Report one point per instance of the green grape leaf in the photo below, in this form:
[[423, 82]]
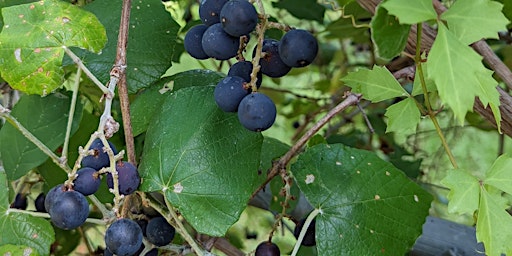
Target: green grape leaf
[[500, 174], [375, 85], [488, 94], [458, 73], [46, 118], [10, 249], [388, 35], [472, 20], [22, 229], [367, 206], [403, 117], [204, 161], [493, 225], [32, 40], [464, 191], [411, 12], [150, 100], [151, 42], [306, 10]]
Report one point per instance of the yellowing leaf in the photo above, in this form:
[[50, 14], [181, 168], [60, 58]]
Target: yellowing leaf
[[458, 73], [403, 117], [500, 174], [411, 12], [375, 85], [464, 191], [472, 20], [493, 226]]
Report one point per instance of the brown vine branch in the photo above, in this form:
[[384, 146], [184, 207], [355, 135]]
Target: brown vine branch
[[350, 100], [120, 69]]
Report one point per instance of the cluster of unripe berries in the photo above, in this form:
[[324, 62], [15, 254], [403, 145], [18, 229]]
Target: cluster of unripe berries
[[226, 25]]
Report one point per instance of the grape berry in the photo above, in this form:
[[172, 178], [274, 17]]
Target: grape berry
[[238, 17], [128, 178], [257, 112], [267, 249], [68, 210], [123, 237], [229, 92], [87, 181], [298, 48], [159, 232], [99, 158]]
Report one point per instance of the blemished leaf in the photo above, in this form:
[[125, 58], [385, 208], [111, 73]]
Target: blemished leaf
[[367, 206], [306, 10], [458, 73], [22, 229], [46, 118], [388, 35], [472, 20], [403, 117], [500, 174], [32, 40], [204, 161], [464, 191], [149, 101], [10, 249], [411, 12], [375, 85], [493, 225], [151, 41]]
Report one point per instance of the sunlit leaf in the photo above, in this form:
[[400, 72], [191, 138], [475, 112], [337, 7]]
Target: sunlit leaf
[[464, 191], [411, 12], [403, 117]]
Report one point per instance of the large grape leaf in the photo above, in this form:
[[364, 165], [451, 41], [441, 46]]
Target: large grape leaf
[[458, 73], [403, 117], [151, 41], [204, 161], [493, 225], [367, 206], [411, 12], [388, 35], [46, 118], [472, 20], [149, 101], [464, 191], [22, 229], [375, 85], [32, 38]]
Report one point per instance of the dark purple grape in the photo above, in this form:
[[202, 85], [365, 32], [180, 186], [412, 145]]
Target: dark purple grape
[[257, 112], [298, 48], [123, 237], [87, 181], [159, 232], [229, 92], [128, 178], [267, 249], [99, 158], [20, 202], [270, 62], [209, 11], [52, 194], [143, 223], [218, 44], [238, 17], [243, 69], [69, 210], [309, 238], [39, 203], [193, 44]]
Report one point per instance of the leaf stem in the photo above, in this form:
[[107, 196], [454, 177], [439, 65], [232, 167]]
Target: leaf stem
[[431, 113], [89, 74], [304, 229], [71, 114], [5, 113]]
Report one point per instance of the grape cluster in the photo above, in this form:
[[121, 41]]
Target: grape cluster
[[225, 31]]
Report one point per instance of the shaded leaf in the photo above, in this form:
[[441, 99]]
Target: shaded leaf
[[375, 85], [307, 9], [472, 20], [22, 229], [367, 206], [32, 39], [46, 118], [464, 191], [148, 102], [411, 12], [388, 35], [403, 117], [204, 161], [151, 41]]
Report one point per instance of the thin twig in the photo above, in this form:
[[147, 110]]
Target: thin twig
[[351, 99], [89, 74], [71, 114]]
